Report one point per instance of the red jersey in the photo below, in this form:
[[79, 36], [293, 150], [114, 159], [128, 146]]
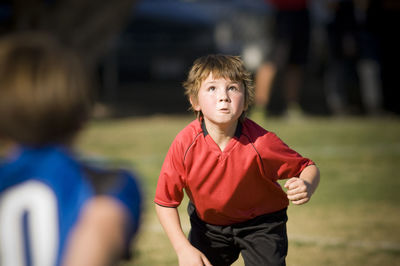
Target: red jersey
[[233, 185]]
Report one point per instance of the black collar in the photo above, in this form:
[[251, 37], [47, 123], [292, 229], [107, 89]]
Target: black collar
[[238, 131]]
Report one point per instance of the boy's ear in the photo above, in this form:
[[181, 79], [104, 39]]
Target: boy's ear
[[193, 102]]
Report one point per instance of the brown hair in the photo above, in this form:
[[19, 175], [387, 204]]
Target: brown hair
[[44, 90], [221, 66]]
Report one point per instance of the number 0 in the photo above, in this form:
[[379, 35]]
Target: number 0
[[39, 202]]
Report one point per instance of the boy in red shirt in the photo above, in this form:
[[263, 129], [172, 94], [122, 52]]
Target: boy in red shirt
[[229, 167]]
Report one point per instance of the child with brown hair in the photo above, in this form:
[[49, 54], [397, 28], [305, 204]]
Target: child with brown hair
[[229, 167], [55, 209]]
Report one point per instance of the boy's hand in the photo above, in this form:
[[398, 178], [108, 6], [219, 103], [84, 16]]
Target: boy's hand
[[298, 190], [191, 256]]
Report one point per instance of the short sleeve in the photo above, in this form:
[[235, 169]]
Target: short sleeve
[[280, 161], [128, 192], [169, 191], [123, 186]]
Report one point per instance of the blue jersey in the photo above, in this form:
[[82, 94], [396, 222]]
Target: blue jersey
[[42, 192]]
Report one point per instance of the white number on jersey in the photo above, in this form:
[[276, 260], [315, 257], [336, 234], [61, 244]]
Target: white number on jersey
[[37, 202]]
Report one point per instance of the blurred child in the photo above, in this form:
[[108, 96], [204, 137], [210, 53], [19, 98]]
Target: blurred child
[[55, 209], [229, 167]]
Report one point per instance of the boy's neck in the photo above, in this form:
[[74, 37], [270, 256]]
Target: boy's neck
[[221, 134]]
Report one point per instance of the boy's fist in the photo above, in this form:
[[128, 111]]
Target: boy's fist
[[298, 190]]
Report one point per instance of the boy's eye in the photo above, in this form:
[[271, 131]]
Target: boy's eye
[[232, 88], [212, 88]]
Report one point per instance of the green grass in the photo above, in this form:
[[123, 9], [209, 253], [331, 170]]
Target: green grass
[[352, 219]]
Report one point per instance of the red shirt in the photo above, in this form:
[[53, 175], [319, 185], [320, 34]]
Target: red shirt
[[228, 186]]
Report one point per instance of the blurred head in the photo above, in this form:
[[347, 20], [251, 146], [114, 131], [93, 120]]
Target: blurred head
[[220, 66], [44, 91]]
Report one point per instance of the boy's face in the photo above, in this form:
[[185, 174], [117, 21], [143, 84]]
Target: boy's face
[[220, 100]]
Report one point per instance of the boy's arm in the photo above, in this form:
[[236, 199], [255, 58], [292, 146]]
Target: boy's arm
[[187, 254], [300, 189], [98, 238]]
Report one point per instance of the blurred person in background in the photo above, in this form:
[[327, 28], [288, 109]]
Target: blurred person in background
[[54, 208], [369, 65], [342, 80], [387, 17], [285, 65], [353, 78]]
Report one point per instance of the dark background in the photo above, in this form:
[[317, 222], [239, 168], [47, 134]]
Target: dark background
[[140, 51]]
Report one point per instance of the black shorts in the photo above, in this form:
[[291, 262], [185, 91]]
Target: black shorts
[[261, 240]]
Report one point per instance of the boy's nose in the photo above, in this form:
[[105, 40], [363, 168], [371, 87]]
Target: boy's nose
[[223, 96]]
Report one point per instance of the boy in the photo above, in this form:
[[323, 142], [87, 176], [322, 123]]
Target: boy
[[54, 209], [229, 167]]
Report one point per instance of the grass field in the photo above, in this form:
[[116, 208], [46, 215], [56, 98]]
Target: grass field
[[353, 218]]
